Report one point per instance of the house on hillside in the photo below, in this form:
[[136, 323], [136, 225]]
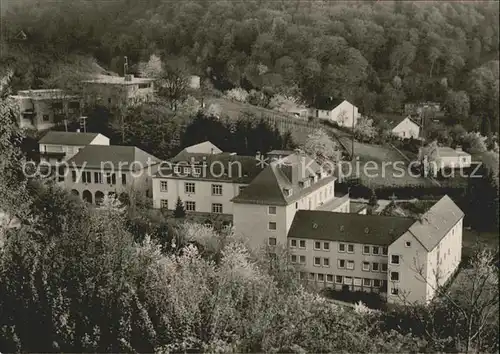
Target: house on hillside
[[60, 146], [404, 259], [428, 109], [407, 128], [100, 170], [42, 109], [114, 91], [443, 157], [335, 110], [205, 178]]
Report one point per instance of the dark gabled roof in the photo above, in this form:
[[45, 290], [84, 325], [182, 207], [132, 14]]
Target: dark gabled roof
[[268, 187], [238, 169], [99, 156], [68, 138], [436, 222], [348, 227], [327, 103]]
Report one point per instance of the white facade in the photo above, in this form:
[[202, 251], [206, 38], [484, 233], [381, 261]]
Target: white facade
[[208, 196], [407, 129], [255, 221]]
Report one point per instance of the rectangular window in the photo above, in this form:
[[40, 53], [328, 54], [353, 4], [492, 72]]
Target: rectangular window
[[163, 186], [375, 250], [196, 171], [341, 263], [366, 249], [326, 246], [293, 243], [350, 248], [357, 281], [367, 282], [164, 204], [73, 176], [187, 170], [216, 189], [302, 259], [110, 178], [350, 265], [338, 279], [217, 208], [376, 283], [45, 117], [302, 244], [272, 241], [341, 247], [384, 267], [326, 262], [317, 245], [124, 179], [366, 266], [86, 177], [348, 280], [407, 244], [375, 267], [321, 277], [293, 258], [384, 251], [394, 276], [190, 206], [312, 276], [272, 225], [317, 261], [329, 278], [189, 188], [98, 177], [394, 259], [271, 210], [394, 291], [302, 276], [177, 170]]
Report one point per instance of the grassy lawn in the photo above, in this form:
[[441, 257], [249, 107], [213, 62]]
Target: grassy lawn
[[390, 175]]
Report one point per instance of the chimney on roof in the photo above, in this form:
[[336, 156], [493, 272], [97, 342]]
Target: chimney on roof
[[458, 148]]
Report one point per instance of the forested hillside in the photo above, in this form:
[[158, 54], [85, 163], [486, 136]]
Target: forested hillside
[[378, 54]]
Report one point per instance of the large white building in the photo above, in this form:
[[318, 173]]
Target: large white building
[[100, 170], [204, 178], [404, 258], [340, 111], [264, 211]]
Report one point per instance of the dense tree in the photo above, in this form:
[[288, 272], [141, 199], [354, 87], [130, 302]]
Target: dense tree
[[314, 49]]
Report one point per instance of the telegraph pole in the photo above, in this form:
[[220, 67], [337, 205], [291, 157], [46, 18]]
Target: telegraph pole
[[352, 135]]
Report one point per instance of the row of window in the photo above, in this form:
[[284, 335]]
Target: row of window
[[342, 247], [341, 263], [191, 206], [99, 177], [345, 280], [318, 199], [190, 188]]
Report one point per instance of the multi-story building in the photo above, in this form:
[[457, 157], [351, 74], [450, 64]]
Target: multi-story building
[[60, 146], [42, 109], [115, 91], [264, 211], [204, 178], [99, 170], [403, 258]]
